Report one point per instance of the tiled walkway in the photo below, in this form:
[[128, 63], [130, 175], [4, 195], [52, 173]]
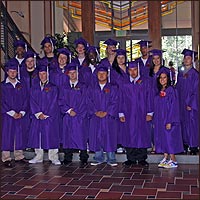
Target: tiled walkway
[[46, 181]]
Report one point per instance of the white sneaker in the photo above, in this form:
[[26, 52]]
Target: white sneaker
[[95, 163], [163, 162], [35, 160], [120, 150], [171, 164], [56, 162], [113, 164]]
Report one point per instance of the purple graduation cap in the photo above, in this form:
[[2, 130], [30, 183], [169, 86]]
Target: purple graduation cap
[[12, 64], [120, 52], [92, 49], [144, 43], [102, 69], [111, 42], [164, 70], [43, 68], [156, 52], [71, 66], [132, 64], [81, 41], [20, 43], [191, 53], [188, 52], [50, 40], [30, 54]]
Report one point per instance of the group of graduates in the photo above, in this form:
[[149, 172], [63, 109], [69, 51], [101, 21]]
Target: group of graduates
[[83, 102]]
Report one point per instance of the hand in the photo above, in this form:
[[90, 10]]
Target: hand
[[103, 114], [188, 108], [122, 119], [16, 116], [42, 116], [148, 118], [72, 113], [168, 126]]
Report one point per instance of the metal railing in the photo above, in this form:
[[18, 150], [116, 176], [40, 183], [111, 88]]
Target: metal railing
[[9, 33]]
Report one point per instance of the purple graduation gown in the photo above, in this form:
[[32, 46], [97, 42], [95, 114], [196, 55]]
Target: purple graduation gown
[[188, 89], [57, 77], [106, 62], [135, 103], [86, 76], [74, 134], [14, 129], [119, 80], [45, 101], [51, 62], [144, 69], [166, 110], [103, 131], [76, 61]]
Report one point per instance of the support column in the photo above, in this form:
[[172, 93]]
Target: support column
[[47, 17], [154, 23], [88, 21], [195, 25]]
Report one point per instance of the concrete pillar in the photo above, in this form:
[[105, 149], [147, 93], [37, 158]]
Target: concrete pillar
[[195, 24], [88, 21], [154, 23]]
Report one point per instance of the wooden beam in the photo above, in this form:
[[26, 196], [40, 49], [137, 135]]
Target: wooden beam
[[154, 23], [88, 21]]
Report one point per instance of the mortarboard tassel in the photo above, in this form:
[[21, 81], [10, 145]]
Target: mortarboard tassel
[[25, 47], [109, 74], [18, 72], [193, 60], [70, 58], [77, 71], [34, 60], [52, 45]]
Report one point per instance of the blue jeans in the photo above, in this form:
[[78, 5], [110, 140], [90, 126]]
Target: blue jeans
[[100, 156]]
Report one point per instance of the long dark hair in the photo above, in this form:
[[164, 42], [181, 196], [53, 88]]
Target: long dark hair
[[116, 66], [159, 86], [152, 65]]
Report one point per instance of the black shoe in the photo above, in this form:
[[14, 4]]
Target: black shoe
[[22, 161], [185, 146], [83, 163], [143, 163], [66, 162], [193, 150], [10, 164], [129, 162]]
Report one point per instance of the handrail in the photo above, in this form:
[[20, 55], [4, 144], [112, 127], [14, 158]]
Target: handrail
[[9, 33]]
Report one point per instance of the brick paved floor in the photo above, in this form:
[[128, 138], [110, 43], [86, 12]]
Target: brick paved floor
[[46, 181]]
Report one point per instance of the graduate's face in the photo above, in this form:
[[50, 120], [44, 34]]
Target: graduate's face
[[110, 49], [92, 56], [163, 79], [62, 59], [187, 60], [133, 72], [156, 60], [121, 59], [102, 76], [72, 75], [47, 48], [144, 50], [12, 74], [80, 48], [30, 63], [43, 76], [20, 50]]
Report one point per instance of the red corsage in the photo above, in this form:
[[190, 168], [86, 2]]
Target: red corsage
[[46, 89], [67, 72], [77, 87], [185, 75], [139, 81], [106, 90], [19, 87], [162, 93], [148, 65]]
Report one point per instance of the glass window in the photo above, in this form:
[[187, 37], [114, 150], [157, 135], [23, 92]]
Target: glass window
[[174, 45]]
